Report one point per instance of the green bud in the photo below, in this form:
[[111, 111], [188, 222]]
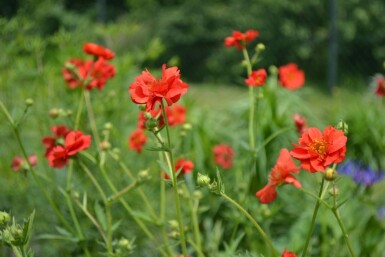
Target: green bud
[[187, 126], [273, 70], [330, 174], [144, 175], [173, 224], [197, 194], [203, 180], [260, 47], [334, 191], [4, 218], [142, 107], [123, 243], [104, 145], [29, 102], [342, 125], [151, 123], [53, 113], [108, 126]]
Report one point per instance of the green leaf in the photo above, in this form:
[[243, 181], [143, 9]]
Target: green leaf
[[100, 215]]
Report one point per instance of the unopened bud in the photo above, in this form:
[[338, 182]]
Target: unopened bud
[[123, 242], [29, 102], [187, 126], [108, 126], [203, 180], [75, 195], [330, 174], [273, 70], [4, 218], [334, 191], [173, 224], [69, 112], [104, 145], [151, 123], [142, 107], [342, 125], [260, 47], [144, 174], [53, 113]]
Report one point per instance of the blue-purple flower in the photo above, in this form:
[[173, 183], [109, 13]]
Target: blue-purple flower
[[362, 175]]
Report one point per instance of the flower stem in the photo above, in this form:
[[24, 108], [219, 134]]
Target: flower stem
[[315, 212], [91, 117], [338, 217], [174, 183], [255, 223], [252, 103]]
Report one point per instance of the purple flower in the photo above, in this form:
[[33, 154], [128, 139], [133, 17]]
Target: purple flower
[[362, 175]]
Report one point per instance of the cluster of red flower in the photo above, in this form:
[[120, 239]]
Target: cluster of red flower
[[63, 145], [92, 73]]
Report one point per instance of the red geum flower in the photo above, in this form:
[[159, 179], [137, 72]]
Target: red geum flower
[[19, 163], [291, 77], [317, 150], [75, 141], [98, 50], [280, 174], [239, 39], [185, 167], [137, 140], [60, 132], [223, 155], [300, 123], [288, 254], [70, 72], [149, 90], [256, 78], [96, 74], [380, 86], [176, 115]]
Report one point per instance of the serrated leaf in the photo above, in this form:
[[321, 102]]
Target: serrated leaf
[[100, 215]]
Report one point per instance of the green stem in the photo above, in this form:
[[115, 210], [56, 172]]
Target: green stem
[[255, 223], [80, 109], [128, 208], [252, 103], [174, 183], [338, 217], [109, 228], [95, 182], [122, 192], [346, 237], [91, 118], [194, 217], [140, 191], [315, 212]]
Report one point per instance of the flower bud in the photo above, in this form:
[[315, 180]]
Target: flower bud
[[4, 218], [147, 115], [29, 102], [151, 123], [108, 126], [330, 174], [260, 47], [342, 125], [144, 175], [69, 113], [53, 113], [203, 180], [334, 191], [123, 243], [104, 145], [173, 224], [187, 126], [273, 70]]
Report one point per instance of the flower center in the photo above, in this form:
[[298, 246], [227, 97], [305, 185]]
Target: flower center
[[158, 86], [319, 146]]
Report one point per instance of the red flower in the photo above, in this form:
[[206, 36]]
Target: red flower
[[96, 74], [380, 85], [97, 50], [75, 141], [288, 254], [137, 140], [18, 162], [69, 72], [176, 115], [60, 132], [256, 78], [317, 150], [149, 90], [291, 77], [280, 174], [239, 39], [300, 123], [185, 167], [223, 155]]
